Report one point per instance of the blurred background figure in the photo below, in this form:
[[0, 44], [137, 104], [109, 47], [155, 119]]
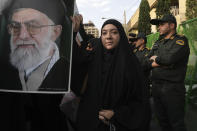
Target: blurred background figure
[[132, 40], [141, 52]]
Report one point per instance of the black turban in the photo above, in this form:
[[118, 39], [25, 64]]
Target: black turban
[[54, 9]]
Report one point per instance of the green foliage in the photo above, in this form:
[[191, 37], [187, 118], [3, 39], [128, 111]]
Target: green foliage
[[189, 29], [162, 8], [191, 9], [193, 98], [144, 18], [189, 78], [151, 39]]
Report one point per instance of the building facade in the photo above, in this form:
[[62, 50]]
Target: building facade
[[178, 9], [91, 29]]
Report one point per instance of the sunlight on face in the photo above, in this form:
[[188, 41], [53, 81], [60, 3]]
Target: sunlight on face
[[110, 36], [164, 28]]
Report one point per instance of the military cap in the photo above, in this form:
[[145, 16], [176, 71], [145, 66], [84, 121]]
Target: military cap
[[165, 18], [142, 35], [132, 34], [132, 37]]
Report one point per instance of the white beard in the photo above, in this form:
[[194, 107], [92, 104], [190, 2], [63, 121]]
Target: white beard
[[25, 58]]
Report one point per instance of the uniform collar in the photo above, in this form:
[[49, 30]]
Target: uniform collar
[[173, 36]]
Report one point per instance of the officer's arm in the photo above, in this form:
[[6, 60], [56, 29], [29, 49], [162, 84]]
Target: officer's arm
[[151, 53], [177, 52], [149, 62], [146, 63]]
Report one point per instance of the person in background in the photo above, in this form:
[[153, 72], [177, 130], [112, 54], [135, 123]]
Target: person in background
[[141, 52], [132, 40]]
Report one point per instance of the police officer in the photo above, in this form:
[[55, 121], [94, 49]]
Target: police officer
[[132, 40], [168, 59], [141, 51]]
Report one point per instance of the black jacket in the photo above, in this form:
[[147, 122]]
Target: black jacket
[[142, 57], [172, 57]]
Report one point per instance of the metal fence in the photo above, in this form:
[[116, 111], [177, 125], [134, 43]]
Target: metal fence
[[189, 29]]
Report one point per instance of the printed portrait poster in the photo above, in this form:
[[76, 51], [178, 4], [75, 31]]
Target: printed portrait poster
[[35, 46]]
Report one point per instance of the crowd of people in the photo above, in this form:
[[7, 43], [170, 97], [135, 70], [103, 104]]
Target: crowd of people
[[113, 77]]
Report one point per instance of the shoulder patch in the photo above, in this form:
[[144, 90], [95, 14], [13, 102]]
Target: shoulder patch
[[180, 42]]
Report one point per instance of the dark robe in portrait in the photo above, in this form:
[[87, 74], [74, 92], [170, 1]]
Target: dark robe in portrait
[[37, 112], [115, 82]]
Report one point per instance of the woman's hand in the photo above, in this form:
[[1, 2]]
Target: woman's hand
[[106, 115], [76, 20]]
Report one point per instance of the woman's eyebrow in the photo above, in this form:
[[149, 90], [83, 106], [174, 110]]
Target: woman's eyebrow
[[110, 29]]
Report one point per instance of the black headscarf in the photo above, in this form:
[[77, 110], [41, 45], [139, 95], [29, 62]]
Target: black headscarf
[[114, 78], [123, 89]]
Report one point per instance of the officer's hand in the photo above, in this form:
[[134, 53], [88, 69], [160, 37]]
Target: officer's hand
[[154, 64], [153, 58], [76, 21]]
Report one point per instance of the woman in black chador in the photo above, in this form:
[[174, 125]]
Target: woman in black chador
[[115, 97]]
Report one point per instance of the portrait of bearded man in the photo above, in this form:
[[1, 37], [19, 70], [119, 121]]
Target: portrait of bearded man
[[34, 68], [35, 33]]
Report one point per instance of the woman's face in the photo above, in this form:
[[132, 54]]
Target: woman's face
[[110, 36]]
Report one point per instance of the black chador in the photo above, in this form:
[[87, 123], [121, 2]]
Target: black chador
[[115, 82]]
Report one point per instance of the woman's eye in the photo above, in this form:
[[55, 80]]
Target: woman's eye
[[114, 32], [104, 33]]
